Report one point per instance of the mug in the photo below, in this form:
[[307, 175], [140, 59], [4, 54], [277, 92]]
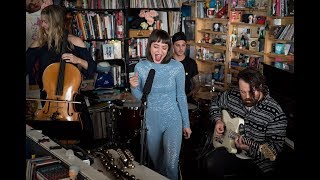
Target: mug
[[210, 12]]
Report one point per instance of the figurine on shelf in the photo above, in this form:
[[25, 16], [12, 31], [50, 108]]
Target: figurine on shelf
[[254, 19], [216, 74], [234, 3], [216, 27], [206, 38], [199, 54], [234, 37], [250, 19]]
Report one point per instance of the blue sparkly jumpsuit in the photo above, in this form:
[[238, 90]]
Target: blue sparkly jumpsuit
[[166, 113]]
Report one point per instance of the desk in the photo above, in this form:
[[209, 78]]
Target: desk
[[95, 171], [139, 171]]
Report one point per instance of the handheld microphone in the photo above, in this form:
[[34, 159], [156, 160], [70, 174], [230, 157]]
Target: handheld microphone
[[147, 86]]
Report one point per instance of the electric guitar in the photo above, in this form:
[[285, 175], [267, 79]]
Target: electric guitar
[[227, 140]]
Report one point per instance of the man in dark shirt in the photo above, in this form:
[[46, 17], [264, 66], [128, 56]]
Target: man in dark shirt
[[263, 129], [190, 66]]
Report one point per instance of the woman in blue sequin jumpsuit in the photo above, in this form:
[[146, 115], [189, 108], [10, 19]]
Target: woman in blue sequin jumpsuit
[[167, 117]]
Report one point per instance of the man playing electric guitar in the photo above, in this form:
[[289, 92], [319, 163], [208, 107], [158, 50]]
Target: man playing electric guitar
[[262, 122]]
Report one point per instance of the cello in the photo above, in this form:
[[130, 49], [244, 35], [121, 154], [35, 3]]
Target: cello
[[61, 82]]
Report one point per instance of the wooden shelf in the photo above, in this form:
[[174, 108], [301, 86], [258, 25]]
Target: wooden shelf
[[211, 46], [212, 32], [250, 9], [214, 19], [282, 56], [210, 61], [191, 43], [280, 41], [236, 69], [281, 17], [245, 51], [246, 24]]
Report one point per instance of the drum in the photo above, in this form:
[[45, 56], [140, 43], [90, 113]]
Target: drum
[[204, 106], [128, 119], [103, 121]]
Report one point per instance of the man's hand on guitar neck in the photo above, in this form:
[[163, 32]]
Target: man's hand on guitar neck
[[239, 142], [219, 128]]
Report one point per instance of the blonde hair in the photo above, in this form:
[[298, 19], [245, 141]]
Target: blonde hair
[[55, 17]]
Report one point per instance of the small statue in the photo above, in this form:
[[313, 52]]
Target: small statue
[[216, 74], [250, 19], [206, 38], [216, 27], [254, 19]]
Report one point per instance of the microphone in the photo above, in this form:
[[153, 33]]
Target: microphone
[[147, 86]]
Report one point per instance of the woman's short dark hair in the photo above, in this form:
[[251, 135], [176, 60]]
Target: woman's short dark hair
[[159, 35], [254, 78]]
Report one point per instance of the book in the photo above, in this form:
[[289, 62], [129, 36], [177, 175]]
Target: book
[[117, 49], [108, 52], [286, 48], [279, 48]]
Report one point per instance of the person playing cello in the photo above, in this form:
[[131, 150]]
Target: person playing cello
[[46, 50]]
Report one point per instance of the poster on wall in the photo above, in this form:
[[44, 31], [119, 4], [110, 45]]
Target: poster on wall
[[33, 20]]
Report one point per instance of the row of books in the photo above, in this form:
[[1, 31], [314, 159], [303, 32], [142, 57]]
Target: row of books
[[92, 25], [138, 47], [284, 32], [283, 48], [154, 3], [103, 4], [282, 8], [45, 168]]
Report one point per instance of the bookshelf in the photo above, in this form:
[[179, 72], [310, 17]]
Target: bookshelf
[[109, 22], [210, 46], [166, 15], [279, 51], [102, 26], [248, 40]]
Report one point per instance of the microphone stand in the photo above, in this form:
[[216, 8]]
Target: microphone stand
[[143, 129]]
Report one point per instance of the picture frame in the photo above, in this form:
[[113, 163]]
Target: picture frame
[[190, 29], [108, 51]]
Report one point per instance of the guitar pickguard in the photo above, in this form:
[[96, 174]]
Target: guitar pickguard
[[232, 126]]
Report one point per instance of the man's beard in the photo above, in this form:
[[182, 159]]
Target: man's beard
[[249, 102]]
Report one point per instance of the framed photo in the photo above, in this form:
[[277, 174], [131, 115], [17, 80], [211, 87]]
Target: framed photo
[[190, 29], [108, 52]]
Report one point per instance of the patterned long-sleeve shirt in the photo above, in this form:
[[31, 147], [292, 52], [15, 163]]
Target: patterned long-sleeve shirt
[[265, 123]]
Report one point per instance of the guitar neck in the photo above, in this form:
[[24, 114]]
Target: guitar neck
[[246, 141]]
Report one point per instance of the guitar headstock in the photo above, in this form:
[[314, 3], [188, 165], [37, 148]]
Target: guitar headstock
[[267, 152]]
